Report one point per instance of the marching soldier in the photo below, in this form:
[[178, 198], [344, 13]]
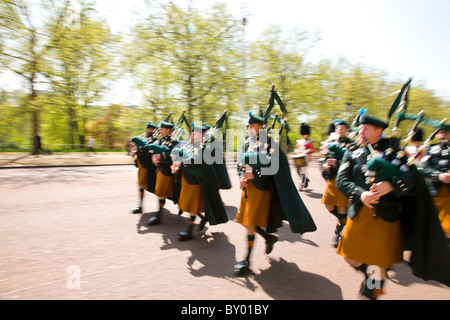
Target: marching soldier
[[164, 187], [143, 163], [267, 197], [369, 242], [333, 199], [199, 183], [389, 214], [436, 168]]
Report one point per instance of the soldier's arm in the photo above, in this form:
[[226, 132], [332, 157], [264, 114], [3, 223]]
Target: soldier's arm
[[165, 155], [405, 182], [427, 170], [344, 180]]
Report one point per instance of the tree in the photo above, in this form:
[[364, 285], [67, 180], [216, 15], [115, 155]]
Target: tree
[[187, 59], [79, 65], [22, 47]]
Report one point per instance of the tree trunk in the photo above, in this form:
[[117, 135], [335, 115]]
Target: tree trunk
[[34, 117]]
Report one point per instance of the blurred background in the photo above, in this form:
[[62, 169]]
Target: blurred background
[[74, 70]]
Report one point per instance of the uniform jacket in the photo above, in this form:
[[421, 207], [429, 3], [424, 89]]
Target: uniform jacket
[[411, 202], [435, 161], [212, 178], [164, 165], [286, 203]]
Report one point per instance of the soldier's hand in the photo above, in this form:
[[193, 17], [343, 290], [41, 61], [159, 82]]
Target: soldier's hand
[[133, 149], [381, 188], [156, 158], [248, 175], [175, 167], [243, 183], [444, 177], [369, 199], [331, 162]]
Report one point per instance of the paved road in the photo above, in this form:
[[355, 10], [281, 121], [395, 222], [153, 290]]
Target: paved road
[[67, 233]]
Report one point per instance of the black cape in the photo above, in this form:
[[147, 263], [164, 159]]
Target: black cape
[[212, 178], [211, 181], [424, 237], [286, 203]]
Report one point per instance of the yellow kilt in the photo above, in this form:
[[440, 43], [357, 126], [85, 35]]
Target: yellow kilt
[[164, 185], [442, 202], [372, 241], [142, 175], [254, 210], [333, 196], [191, 197]]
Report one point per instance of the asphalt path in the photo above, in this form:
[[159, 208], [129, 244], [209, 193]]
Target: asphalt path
[[67, 233]]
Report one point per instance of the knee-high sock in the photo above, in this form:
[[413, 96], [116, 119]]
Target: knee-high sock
[[250, 240], [262, 233], [162, 202], [190, 223], [141, 196], [340, 216]]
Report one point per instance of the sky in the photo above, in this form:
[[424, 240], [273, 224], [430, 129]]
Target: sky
[[403, 38]]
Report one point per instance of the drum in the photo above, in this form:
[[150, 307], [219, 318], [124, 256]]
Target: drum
[[299, 160]]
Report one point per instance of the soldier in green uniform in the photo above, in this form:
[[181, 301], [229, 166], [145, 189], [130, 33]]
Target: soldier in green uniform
[[200, 183], [333, 199], [268, 196], [143, 162], [436, 170], [164, 187], [372, 240], [388, 214]]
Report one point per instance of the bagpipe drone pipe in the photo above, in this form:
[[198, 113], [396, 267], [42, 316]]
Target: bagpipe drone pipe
[[378, 168], [175, 135], [210, 135], [259, 152], [154, 136]]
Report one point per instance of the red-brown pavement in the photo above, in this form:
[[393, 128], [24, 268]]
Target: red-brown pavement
[[67, 233]]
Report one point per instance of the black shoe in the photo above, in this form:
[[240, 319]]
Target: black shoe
[[270, 242], [242, 268], [153, 221], [184, 236], [305, 185], [138, 209], [369, 294]]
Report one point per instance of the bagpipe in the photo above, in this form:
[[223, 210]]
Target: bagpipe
[[192, 149], [212, 133], [156, 134], [378, 167], [175, 135], [252, 157]]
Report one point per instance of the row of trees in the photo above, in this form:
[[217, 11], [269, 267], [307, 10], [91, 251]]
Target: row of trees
[[179, 59]]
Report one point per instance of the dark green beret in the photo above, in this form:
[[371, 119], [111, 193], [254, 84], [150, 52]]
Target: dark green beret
[[203, 127], [445, 127], [151, 125], [165, 124], [255, 119], [339, 122], [369, 119]]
